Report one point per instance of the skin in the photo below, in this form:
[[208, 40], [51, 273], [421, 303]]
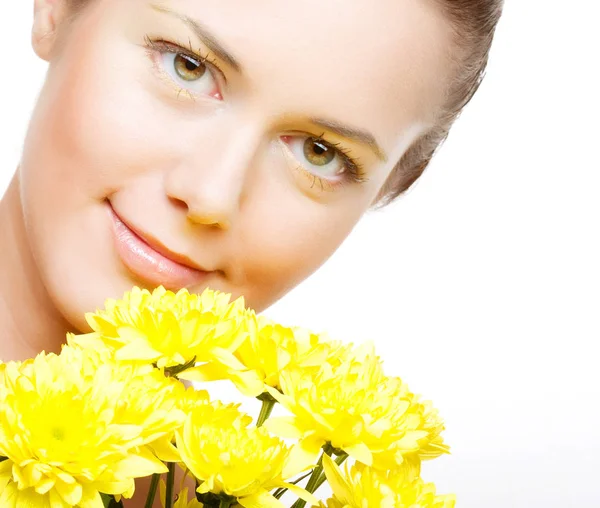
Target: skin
[[209, 172]]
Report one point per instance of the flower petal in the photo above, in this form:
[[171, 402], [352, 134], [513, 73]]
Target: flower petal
[[360, 452], [261, 499], [341, 488]]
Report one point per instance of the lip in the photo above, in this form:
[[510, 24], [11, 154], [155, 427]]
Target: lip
[[149, 260]]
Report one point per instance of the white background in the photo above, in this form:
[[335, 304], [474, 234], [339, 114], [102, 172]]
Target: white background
[[481, 286]]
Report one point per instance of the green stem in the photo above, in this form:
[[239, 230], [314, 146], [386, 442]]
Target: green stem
[[225, 503], [268, 403], [178, 369], [339, 460], [312, 484], [152, 491], [170, 483]]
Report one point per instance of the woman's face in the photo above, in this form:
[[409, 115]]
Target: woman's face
[[221, 143]]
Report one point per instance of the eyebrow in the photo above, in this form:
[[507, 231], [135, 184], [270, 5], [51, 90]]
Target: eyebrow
[[205, 36], [362, 136]]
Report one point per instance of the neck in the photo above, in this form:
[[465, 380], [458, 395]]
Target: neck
[[29, 321]]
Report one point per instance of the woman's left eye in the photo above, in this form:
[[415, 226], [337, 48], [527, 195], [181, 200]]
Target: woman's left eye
[[189, 72], [321, 159]]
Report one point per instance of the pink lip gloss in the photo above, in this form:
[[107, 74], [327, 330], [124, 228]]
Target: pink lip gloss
[[148, 264]]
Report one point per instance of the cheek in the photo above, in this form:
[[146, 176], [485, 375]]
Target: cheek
[[89, 134], [95, 129], [286, 238], [91, 129]]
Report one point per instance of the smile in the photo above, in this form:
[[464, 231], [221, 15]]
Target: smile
[[149, 260]]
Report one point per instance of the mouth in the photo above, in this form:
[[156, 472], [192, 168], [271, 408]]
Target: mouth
[[150, 261]]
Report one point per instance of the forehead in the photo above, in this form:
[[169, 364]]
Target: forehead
[[380, 64]]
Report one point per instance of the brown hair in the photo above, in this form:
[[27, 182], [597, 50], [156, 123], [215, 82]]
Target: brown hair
[[474, 24]]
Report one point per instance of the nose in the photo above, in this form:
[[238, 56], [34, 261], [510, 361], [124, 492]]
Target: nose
[[210, 181], [214, 216]]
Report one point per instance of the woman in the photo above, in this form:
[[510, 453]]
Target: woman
[[231, 144]]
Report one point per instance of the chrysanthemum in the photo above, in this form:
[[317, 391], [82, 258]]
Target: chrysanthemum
[[70, 429], [269, 349], [364, 487], [353, 406], [188, 397], [231, 459], [171, 329]]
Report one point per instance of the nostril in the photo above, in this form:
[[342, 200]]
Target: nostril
[[179, 203], [214, 218]]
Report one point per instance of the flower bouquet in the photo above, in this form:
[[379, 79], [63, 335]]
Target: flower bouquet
[[117, 404]]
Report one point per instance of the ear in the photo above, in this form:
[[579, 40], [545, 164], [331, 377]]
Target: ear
[[48, 17]]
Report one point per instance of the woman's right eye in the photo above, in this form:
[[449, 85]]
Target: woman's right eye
[[190, 73]]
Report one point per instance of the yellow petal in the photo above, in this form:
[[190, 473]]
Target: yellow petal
[[70, 492], [284, 426], [302, 456], [360, 452], [138, 349], [114, 488], [300, 460], [248, 383], [261, 499], [204, 372], [227, 358], [301, 493], [164, 450], [138, 466], [91, 499], [339, 485], [276, 394]]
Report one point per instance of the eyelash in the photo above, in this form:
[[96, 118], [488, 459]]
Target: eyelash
[[353, 169], [164, 46]]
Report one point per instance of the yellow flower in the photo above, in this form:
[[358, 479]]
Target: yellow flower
[[11, 496], [190, 397], [269, 349], [231, 459], [351, 405], [364, 487], [434, 445], [148, 396], [162, 402], [185, 401], [70, 430], [171, 329]]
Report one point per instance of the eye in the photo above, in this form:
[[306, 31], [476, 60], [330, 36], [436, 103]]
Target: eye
[[189, 71], [188, 68], [191, 74], [319, 157]]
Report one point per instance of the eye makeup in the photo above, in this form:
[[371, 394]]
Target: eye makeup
[[327, 164], [186, 61], [324, 164]]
